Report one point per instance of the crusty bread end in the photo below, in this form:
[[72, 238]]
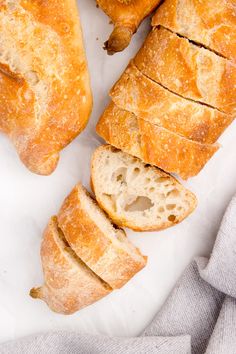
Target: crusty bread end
[[69, 285]]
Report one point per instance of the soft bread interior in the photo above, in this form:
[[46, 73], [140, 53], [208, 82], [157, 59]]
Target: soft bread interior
[[136, 192], [116, 236]]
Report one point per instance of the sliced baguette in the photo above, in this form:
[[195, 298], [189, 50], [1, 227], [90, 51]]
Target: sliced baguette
[[135, 195], [153, 144], [213, 22], [102, 247], [69, 284], [150, 101], [188, 70]]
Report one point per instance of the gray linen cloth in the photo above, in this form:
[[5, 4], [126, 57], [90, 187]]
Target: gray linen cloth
[[198, 317]]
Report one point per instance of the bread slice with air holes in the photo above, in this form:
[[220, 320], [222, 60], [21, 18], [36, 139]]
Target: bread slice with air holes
[[104, 248], [137, 195]]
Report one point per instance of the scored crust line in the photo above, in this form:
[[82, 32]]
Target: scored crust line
[[177, 94], [198, 44]]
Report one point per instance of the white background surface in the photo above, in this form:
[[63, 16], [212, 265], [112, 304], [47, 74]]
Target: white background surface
[[27, 201]]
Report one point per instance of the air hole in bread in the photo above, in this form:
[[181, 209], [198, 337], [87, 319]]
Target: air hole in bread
[[139, 204], [147, 180], [152, 189], [119, 178], [172, 218], [120, 175], [136, 171], [162, 179], [161, 210], [174, 193], [170, 206]]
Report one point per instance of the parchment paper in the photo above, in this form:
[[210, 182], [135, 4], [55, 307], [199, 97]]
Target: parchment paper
[[27, 201]]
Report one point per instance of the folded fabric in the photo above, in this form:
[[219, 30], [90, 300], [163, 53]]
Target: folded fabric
[[198, 317]]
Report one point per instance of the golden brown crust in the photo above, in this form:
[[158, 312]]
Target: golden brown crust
[[211, 23], [120, 129], [188, 70], [153, 144], [50, 105], [108, 260], [126, 17], [124, 222], [148, 100], [69, 285]]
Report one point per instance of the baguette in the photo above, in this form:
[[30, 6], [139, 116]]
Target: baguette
[[45, 90], [188, 70], [69, 284], [135, 195], [153, 144], [211, 23], [150, 101], [126, 16], [103, 248]]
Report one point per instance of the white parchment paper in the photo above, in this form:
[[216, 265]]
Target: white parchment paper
[[27, 201]]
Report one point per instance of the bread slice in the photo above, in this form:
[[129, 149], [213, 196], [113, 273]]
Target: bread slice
[[69, 284], [150, 101], [188, 70], [153, 144], [136, 195], [46, 98], [211, 23], [102, 247]]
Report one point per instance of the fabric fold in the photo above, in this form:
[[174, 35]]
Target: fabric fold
[[220, 271], [192, 308], [75, 343]]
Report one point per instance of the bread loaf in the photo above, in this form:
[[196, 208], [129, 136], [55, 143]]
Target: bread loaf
[[69, 284], [126, 16], [45, 94], [102, 247], [188, 70], [211, 23], [177, 96], [137, 195], [150, 101], [153, 144]]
